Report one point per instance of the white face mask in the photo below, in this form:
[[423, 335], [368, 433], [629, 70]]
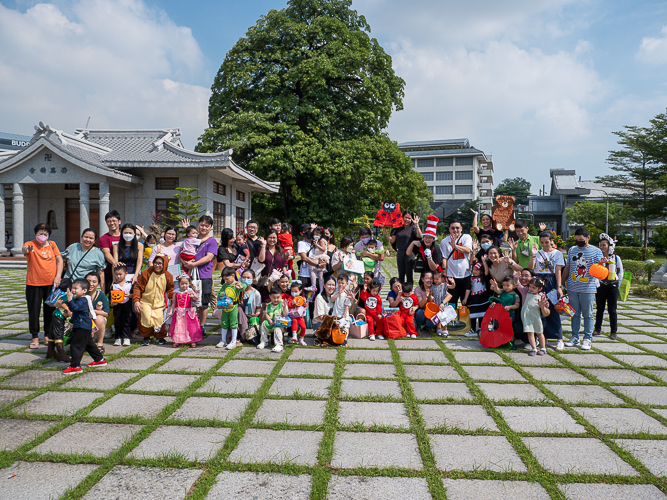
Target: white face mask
[[295, 294], [128, 237]]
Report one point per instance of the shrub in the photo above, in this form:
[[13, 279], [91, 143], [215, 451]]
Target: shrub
[[641, 269], [651, 292], [659, 239], [634, 253]]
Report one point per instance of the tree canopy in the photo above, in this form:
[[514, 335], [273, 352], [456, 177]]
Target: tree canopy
[[517, 187], [304, 99], [594, 216]]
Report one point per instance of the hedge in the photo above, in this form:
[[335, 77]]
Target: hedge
[[641, 269], [634, 253], [651, 292]]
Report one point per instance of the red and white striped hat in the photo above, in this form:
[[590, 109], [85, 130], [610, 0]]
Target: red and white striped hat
[[431, 226]]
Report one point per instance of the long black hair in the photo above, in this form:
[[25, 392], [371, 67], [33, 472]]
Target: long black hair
[[134, 244], [226, 235]]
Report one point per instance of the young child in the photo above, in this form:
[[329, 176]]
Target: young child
[[407, 308], [342, 301], [190, 244], [241, 242], [185, 327], [372, 303], [151, 241], [320, 248], [78, 302], [122, 309], [369, 264], [285, 239], [535, 304], [277, 307], [229, 296], [58, 323], [508, 297], [442, 300], [296, 306], [251, 298], [477, 297]]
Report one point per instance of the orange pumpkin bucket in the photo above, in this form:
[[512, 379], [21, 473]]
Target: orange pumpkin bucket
[[431, 310], [337, 336], [598, 271], [463, 312]]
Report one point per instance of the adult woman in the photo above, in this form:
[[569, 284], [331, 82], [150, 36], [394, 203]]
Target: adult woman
[[305, 250], [101, 306], [206, 252], [499, 267], [365, 235], [148, 299], [328, 235], [400, 238], [486, 229], [45, 266], [169, 248], [607, 292], [227, 252], [84, 258], [273, 257], [424, 294], [428, 256], [481, 247], [323, 302], [129, 251]]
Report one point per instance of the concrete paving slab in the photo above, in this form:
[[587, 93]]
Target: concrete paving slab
[[478, 358], [254, 353], [510, 392], [310, 387], [58, 403], [305, 368], [638, 337], [260, 486], [570, 455], [465, 345], [638, 360], [368, 344], [466, 417], [157, 382], [618, 376], [198, 444], [128, 405], [468, 453], [368, 355], [211, 408], [205, 351], [431, 372], [584, 394], [622, 420], [232, 385], [555, 374], [33, 379], [312, 354], [8, 396], [291, 412], [42, 480], [103, 381], [195, 365], [441, 390], [474, 489], [133, 363], [423, 356], [15, 433], [376, 449], [370, 488], [523, 360], [87, 437], [589, 491], [152, 350], [13, 344], [246, 367], [369, 370], [6, 372], [279, 447], [615, 347], [144, 483], [547, 419], [416, 344], [21, 359], [369, 414], [648, 395], [652, 453], [364, 388], [661, 374], [654, 329], [494, 373], [655, 348], [590, 359]]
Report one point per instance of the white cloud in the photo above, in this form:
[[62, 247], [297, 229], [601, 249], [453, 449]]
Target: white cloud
[[654, 50], [119, 62]]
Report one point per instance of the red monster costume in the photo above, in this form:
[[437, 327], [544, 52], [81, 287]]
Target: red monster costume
[[287, 243], [374, 318], [389, 215], [407, 318]]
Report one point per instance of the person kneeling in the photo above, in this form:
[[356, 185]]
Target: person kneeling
[[276, 310]]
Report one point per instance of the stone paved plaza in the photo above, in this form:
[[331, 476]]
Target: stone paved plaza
[[410, 419]]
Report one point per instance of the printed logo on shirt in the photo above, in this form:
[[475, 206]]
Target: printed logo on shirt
[[371, 303], [407, 302], [579, 272]]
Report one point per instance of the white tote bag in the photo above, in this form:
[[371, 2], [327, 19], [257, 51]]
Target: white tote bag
[[196, 286]]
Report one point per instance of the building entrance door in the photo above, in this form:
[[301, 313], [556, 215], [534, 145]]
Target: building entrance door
[[73, 221]]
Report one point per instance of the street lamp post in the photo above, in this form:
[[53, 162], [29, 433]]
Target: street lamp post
[[606, 224]]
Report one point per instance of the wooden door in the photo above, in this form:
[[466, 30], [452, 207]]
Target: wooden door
[[73, 220]]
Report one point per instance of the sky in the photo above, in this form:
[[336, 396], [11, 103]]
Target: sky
[[536, 84]]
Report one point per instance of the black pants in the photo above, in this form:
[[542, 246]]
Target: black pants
[[123, 319], [82, 341], [459, 291], [57, 331], [606, 294], [405, 263], [35, 297]]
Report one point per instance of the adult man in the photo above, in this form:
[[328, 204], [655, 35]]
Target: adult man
[[275, 224], [254, 243], [304, 249], [107, 242], [521, 250], [581, 286], [456, 250]]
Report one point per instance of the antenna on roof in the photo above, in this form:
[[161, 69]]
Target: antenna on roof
[[87, 123]]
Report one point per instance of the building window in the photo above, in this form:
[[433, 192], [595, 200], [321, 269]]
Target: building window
[[463, 189], [444, 162], [240, 219], [464, 176], [219, 188], [430, 188], [443, 176], [218, 217], [162, 183], [425, 163], [240, 196], [466, 160], [443, 190], [428, 176], [72, 187], [162, 208]]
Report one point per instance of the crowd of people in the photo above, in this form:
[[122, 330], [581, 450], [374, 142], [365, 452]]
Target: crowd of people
[[273, 287]]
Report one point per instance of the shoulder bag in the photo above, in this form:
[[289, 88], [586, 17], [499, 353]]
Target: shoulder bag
[[66, 283]]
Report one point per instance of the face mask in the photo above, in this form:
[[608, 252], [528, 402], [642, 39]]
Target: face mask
[[580, 244], [316, 238], [350, 249], [365, 240], [41, 238], [128, 237], [295, 294], [246, 281], [151, 245], [486, 245]]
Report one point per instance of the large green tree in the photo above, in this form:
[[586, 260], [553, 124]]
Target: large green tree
[[517, 187], [304, 99], [594, 216]]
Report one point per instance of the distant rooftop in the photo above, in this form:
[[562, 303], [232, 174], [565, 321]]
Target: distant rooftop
[[13, 142], [441, 147], [444, 144]]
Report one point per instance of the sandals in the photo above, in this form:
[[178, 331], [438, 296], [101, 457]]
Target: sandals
[[34, 344], [101, 349]]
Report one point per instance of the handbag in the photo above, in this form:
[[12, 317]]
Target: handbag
[[393, 326], [66, 283], [196, 286], [358, 328], [624, 288]]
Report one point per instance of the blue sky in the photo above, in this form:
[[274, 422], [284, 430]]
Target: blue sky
[[539, 85]]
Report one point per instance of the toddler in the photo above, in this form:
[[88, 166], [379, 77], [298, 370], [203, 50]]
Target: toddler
[[121, 293], [58, 325], [296, 305], [228, 299], [285, 239], [407, 308], [508, 297], [535, 304], [241, 242], [190, 244], [185, 328], [441, 328], [369, 264], [251, 298], [342, 301], [372, 303], [320, 248], [477, 297], [276, 308]]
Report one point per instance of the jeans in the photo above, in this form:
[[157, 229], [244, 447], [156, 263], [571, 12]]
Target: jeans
[[583, 306], [420, 318], [606, 294]]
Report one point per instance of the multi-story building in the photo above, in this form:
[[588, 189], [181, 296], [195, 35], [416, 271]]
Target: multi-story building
[[454, 172]]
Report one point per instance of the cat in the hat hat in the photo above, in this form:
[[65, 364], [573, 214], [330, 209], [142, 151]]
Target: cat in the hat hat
[[426, 247]]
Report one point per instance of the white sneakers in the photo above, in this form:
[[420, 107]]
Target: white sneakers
[[230, 346], [414, 336], [220, 344], [117, 342], [471, 333], [560, 345], [261, 345], [573, 342], [380, 337], [586, 345], [371, 337], [277, 348]]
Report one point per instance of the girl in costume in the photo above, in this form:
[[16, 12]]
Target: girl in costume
[[535, 306], [185, 328], [296, 305], [607, 292], [229, 298], [275, 309], [319, 254], [477, 297], [153, 285]]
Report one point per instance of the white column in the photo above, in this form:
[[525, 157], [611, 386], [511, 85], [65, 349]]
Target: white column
[[2, 218], [84, 206], [17, 208], [249, 214], [105, 198]]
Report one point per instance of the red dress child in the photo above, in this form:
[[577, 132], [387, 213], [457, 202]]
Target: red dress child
[[374, 318], [407, 302], [287, 243]]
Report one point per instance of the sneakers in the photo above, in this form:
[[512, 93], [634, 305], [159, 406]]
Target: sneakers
[[71, 370], [573, 342], [613, 336], [261, 345], [98, 364], [380, 337], [108, 333], [445, 333], [560, 345], [542, 351], [596, 333], [413, 336], [117, 342], [293, 340], [127, 342], [277, 348], [303, 343], [586, 346], [146, 341], [533, 352], [527, 347], [230, 346], [220, 344], [371, 337], [162, 341], [471, 333]]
